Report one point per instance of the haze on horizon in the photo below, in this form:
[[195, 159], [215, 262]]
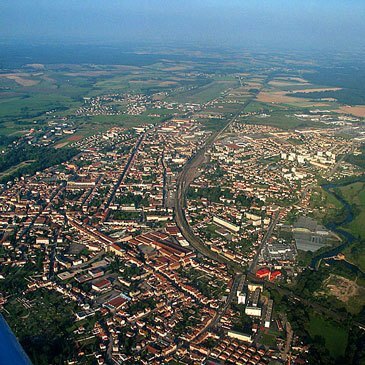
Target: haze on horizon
[[284, 24]]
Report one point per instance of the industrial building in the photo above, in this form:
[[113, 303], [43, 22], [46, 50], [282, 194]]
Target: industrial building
[[241, 295], [253, 311], [226, 224], [240, 336], [268, 313]]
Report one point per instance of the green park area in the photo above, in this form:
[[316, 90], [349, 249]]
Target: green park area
[[325, 206], [334, 336], [354, 194], [279, 119], [204, 93], [43, 320]]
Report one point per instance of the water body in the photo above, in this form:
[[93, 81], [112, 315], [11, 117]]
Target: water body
[[348, 238], [11, 352]]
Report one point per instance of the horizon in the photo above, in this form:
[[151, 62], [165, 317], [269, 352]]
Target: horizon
[[276, 24]]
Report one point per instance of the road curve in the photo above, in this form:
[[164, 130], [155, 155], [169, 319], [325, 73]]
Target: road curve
[[184, 179]]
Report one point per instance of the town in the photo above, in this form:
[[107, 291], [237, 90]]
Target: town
[[100, 230]]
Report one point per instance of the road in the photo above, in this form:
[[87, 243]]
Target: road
[[215, 320], [289, 339], [184, 179], [228, 302], [124, 171], [270, 229]]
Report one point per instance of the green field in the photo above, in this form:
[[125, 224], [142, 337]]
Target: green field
[[280, 119], [335, 337], [327, 208], [214, 125], [354, 194], [204, 93], [60, 92], [325, 205], [269, 338]]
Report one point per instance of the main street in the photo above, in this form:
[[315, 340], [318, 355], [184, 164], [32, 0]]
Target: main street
[[124, 172], [270, 229], [215, 320]]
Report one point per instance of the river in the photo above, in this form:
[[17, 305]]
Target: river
[[348, 238]]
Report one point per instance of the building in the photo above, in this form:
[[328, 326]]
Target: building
[[275, 274], [253, 311], [226, 224], [256, 297], [240, 336], [263, 273], [241, 295], [268, 313], [309, 235], [252, 287], [101, 285]]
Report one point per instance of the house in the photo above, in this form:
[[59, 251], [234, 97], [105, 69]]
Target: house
[[101, 285]]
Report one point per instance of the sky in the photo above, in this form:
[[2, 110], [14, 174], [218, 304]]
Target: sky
[[285, 24]]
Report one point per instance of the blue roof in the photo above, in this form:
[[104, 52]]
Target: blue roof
[[11, 351]]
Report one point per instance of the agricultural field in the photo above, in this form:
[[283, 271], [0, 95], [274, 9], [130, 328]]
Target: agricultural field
[[41, 94]]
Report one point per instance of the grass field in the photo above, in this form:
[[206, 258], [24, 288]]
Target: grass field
[[268, 339], [335, 337], [214, 125], [280, 119], [15, 168], [325, 205], [355, 195], [204, 93]]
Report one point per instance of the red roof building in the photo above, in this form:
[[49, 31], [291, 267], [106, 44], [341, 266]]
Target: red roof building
[[101, 285], [262, 273], [275, 274]]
